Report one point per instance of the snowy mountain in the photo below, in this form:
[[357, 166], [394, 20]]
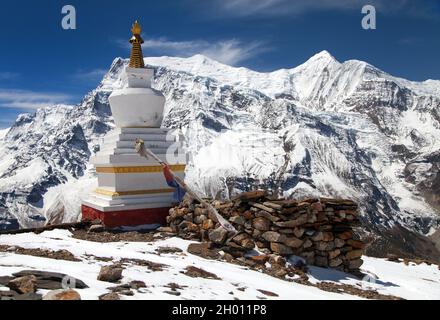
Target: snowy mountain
[[324, 128]]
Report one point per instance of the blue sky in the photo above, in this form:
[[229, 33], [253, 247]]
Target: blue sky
[[40, 63]]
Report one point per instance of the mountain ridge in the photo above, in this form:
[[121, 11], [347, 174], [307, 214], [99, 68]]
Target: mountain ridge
[[325, 127]]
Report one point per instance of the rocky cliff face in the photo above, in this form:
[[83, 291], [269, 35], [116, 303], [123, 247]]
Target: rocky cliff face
[[324, 128]]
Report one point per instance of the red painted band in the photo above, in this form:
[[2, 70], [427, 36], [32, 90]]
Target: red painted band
[[126, 218]]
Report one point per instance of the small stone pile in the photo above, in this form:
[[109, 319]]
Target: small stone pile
[[318, 230]]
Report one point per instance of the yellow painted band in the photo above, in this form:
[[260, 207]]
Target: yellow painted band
[[147, 169], [131, 193]]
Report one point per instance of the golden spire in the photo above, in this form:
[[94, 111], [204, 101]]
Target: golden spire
[[136, 56]]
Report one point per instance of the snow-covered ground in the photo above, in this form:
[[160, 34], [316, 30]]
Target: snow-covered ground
[[409, 282]]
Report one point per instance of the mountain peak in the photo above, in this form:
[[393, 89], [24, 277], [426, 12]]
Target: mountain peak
[[323, 55]]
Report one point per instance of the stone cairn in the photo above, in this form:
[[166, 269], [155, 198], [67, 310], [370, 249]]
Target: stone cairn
[[318, 230]]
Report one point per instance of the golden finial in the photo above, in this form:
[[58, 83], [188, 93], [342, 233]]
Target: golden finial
[[136, 29], [136, 56]]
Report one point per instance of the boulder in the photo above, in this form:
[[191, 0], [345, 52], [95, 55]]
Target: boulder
[[137, 284], [109, 296], [52, 280], [25, 284], [68, 294], [111, 273], [203, 250]]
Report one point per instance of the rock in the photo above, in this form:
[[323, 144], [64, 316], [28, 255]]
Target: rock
[[334, 253], [110, 296], [239, 220], [280, 248], [268, 293], [110, 273], [248, 244], [267, 215], [272, 236], [307, 244], [293, 223], [355, 254], [339, 243], [355, 264], [218, 235], [5, 280], [166, 230], [195, 272], [335, 262], [345, 235], [251, 195], [276, 260], [318, 236], [31, 296], [96, 229], [25, 284], [298, 232], [203, 250], [327, 236], [357, 244], [208, 224], [68, 294], [8, 295], [52, 280], [137, 284], [324, 246], [260, 259], [200, 219], [261, 224], [317, 206], [293, 242]]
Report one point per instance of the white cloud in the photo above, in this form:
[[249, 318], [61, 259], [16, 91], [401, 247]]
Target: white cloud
[[231, 51], [294, 7], [28, 100]]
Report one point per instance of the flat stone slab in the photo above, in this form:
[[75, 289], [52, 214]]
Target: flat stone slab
[[51, 280]]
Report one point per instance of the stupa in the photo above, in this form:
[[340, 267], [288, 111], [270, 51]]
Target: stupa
[[132, 190]]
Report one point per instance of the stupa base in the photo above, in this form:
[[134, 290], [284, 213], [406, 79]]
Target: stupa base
[[126, 218]]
